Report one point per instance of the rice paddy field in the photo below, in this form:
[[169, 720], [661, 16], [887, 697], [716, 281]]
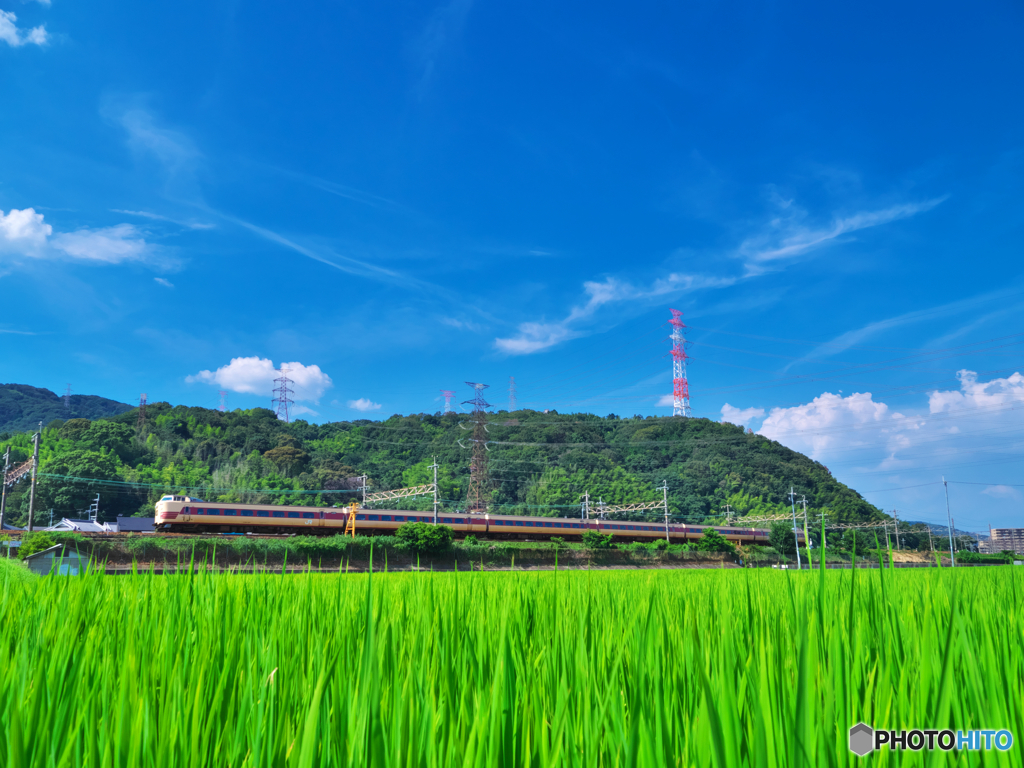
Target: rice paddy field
[[638, 668]]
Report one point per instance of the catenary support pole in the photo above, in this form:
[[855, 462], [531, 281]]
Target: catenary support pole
[[949, 518], [796, 535], [434, 467], [664, 490], [35, 466], [3, 488]]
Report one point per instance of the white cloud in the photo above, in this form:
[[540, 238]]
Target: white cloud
[[1002, 492], [10, 34], [364, 404], [163, 282], [815, 427], [23, 231], [740, 416], [974, 395], [110, 245], [301, 410], [255, 376]]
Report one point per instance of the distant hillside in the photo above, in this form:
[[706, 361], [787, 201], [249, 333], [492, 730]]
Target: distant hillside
[[540, 463], [22, 407]]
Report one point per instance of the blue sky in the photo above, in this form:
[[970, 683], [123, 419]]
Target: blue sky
[[397, 198]]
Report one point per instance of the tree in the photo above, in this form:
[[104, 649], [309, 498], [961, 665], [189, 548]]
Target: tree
[[288, 456], [854, 536], [713, 541], [67, 496], [35, 542], [595, 540], [781, 538], [424, 538]]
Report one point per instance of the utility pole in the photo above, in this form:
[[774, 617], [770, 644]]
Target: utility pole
[[796, 536], [364, 478], [585, 507], [896, 527], [949, 517], [728, 513], [434, 467], [3, 488], [35, 466], [664, 491], [931, 545]]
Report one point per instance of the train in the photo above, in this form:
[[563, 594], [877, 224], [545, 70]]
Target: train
[[188, 515]]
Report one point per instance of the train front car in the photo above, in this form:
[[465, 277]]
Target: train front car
[[168, 510]]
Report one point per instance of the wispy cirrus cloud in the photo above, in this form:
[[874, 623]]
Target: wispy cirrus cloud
[[780, 241], [790, 236], [538, 336], [445, 25]]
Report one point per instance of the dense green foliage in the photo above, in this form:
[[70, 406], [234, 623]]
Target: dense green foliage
[[22, 407], [713, 541], [424, 538], [781, 538], [595, 540], [652, 668], [539, 463], [35, 542]]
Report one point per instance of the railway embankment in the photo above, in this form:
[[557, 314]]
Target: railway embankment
[[338, 553]]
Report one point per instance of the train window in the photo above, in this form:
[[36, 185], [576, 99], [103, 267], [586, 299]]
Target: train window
[[246, 513], [278, 513], [167, 498], [229, 512], [294, 514], [309, 515], [519, 522], [262, 513]]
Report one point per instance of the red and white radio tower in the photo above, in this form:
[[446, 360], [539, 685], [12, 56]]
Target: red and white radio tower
[[680, 386], [448, 395]]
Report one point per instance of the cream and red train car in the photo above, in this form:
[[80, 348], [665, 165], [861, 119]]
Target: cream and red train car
[[187, 515]]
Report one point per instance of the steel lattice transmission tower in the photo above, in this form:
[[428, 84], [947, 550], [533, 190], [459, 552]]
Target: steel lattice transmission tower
[[479, 479], [223, 401], [680, 384], [67, 402], [448, 394], [511, 394], [281, 400], [140, 424]]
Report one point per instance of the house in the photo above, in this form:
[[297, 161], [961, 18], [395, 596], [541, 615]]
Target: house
[[64, 559], [82, 526], [135, 524]]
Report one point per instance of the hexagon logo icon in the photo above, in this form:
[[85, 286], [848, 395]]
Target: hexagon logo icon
[[862, 738]]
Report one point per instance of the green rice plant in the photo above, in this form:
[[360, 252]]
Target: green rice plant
[[568, 668]]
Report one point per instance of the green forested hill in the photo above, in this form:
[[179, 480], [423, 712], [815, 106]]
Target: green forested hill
[[540, 463], [22, 407]]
